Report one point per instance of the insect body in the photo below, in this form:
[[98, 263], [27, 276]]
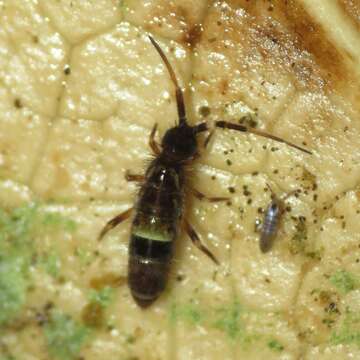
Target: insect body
[[271, 221], [155, 227], [159, 208], [270, 225]]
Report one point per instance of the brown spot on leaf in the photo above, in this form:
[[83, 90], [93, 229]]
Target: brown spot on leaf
[[223, 86], [109, 279], [290, 36], [193, 36], [352, 10], [18, 103], [93, 315]]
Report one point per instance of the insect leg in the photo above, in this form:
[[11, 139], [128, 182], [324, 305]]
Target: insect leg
[[243, 128], [152, 143], [199, 195], [197, 242], [178, 92], [273, 195], [115, 222], [208, 138], [133, 177]]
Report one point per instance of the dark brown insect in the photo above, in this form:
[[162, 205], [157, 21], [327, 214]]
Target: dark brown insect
[[158, 213]]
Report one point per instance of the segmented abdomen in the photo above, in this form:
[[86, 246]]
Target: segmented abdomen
[[270, 226], [154, 229]]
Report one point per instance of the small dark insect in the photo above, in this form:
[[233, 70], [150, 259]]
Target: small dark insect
[[158, 212], [271, 221]]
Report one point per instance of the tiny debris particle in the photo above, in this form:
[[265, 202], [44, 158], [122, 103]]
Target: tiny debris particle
[[204, 111], [229, 162], [249, 201], [67, 70], [17, 103], [231, 189], [246, 192]]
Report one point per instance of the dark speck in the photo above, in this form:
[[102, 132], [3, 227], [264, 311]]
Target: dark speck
[[204, 111], [67, 70], [18, 104], [228, 161], [231, 190]]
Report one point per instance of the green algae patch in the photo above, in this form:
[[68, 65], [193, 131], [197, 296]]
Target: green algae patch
[[54, 219], [344, 281], [16, 229], [275, 345], [19, 229], [228, 319], [15, 257], [189, 312], [349, 331], [13, 286], [52, 263], [65, 337], [7, 357], [103, 297]]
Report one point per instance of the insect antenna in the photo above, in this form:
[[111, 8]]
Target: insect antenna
[[243, 128], [271, 190], [178, 92]]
